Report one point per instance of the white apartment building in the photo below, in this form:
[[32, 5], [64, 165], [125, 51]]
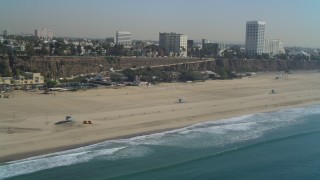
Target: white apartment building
[[5, 32], [273, 47], [124, 38], [173, 44], [43, 33], [255, 37], [49, 34]]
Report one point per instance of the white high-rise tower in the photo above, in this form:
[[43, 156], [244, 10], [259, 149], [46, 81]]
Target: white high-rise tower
[[255, 37]]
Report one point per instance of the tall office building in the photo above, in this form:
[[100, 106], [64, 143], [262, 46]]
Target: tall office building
[[124, 38], [173, 44], [255, 37]]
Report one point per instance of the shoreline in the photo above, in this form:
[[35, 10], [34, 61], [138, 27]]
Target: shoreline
[[16, 157], [153, 115]]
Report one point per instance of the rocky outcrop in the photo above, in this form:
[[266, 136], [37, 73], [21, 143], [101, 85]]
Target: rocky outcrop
[[56, 67]]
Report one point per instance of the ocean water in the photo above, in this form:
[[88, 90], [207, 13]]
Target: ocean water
[[283, 144]]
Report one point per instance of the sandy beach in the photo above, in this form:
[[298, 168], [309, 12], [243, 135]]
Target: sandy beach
[[27, 121]]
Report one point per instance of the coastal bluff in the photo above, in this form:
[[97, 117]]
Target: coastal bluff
[[67, 66]]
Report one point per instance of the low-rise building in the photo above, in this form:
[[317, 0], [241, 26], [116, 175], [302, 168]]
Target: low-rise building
[[110, 40], [20, 49], [6, 80], [28, 79], [211, 48]]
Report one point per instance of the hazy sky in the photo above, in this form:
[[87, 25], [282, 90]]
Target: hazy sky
[[294, 22]]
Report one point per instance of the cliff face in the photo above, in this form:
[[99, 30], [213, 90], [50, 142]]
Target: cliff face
[[247, 65], [67, 66], [268, 65], [60, 66]]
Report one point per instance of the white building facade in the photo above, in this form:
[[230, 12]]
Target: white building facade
[[43, 33], [173, 44], [124, 38], [273, 47], [255, 39]]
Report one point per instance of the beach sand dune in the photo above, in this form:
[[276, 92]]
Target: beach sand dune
[[27, 121]]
